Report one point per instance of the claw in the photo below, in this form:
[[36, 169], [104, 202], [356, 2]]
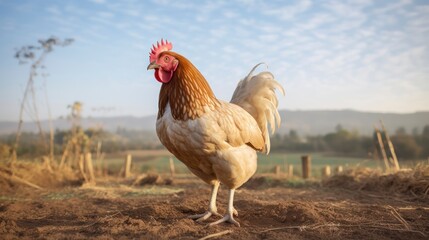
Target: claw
[[227, 218], [204, 216], [212, 206]]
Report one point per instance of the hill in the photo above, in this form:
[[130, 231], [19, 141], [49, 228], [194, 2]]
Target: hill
[[322, 122], [304, 122]]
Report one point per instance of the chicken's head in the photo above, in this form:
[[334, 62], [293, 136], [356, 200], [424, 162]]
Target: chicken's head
[[163, 63]]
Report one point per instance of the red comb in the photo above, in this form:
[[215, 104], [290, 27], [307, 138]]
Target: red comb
[[159, 48]]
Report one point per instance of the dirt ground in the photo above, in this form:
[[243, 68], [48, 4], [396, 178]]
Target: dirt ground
[[268, 209]]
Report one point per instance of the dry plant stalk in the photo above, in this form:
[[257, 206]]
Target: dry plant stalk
[[82, 168], [20, 180], [103, 165], [65, 154], [216, 234], [399, 218], [383, 151], [373, 225], [47, 164], [24, 54], [391, 148], [89, 169], [78, 142]]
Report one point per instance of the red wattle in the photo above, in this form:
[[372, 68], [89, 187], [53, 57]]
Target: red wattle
[[163, 76], [157, 75]]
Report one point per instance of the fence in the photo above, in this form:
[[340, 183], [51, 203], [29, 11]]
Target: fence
[[302, 166]]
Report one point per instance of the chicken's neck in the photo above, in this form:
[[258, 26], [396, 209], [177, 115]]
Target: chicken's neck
[[188, 93]]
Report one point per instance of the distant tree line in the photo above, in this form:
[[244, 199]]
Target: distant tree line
[[350, 143], [121, 140], [341, 141]]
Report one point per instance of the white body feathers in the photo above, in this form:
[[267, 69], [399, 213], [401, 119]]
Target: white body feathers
[[221, 144]]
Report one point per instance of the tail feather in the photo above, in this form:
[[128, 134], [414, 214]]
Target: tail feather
[[256, 94]]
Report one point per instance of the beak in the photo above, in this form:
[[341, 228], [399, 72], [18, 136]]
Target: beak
[[152, 65]]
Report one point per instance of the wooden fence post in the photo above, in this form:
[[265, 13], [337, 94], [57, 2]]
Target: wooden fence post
[[306, 166], [277, 170], [326, 171], [172, 169], [290, 170], [338, 169], [127, 166]]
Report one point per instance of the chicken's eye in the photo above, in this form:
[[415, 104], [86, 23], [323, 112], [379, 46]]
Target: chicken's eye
[[166, 59]]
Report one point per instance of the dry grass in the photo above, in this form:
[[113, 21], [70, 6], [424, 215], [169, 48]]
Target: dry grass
[[151, 179], [124, 191], [413, 182], [336, 226], [35, 175]]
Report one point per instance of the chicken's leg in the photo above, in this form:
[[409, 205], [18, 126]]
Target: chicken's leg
[[212, 206], [230, 212]]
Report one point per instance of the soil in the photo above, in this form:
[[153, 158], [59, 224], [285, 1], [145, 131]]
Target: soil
[[268, 209]]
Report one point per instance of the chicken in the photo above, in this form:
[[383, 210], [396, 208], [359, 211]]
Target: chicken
[[215, 139]]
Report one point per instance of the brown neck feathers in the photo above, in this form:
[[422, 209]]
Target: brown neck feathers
[[188, 92]]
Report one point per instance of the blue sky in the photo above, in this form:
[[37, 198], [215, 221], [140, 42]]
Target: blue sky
[[363, 55]]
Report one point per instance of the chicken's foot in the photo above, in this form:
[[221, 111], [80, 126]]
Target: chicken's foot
[[212, 206], [231, 211], [204, 216]]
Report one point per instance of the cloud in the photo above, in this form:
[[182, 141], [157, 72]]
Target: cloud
[[393, 6], [288, 12], [176, 4], [24, 7], [316, 21], [132, 12], [358, 51], [105, 14], [230, 14], [98, 1], [7, 25], [75, 10], [53, 10], [135, 34]]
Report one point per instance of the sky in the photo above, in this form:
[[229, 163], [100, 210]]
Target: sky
[[363, 55]]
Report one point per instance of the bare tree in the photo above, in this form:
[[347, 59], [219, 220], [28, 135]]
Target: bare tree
[[35, 54]]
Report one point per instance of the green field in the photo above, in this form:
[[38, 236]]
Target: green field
[[266, 163], [147, 164]]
